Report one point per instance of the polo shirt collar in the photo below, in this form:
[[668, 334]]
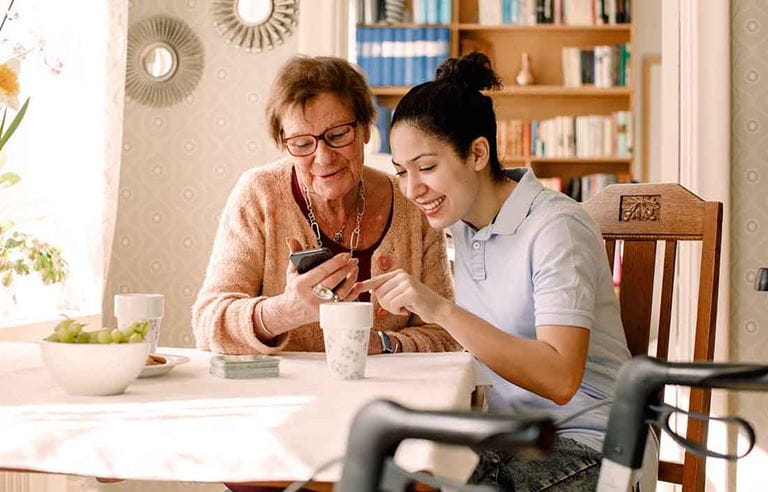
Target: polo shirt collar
[[516, 207]]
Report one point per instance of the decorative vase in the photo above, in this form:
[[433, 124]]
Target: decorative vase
[[524, 76], [394, 11]]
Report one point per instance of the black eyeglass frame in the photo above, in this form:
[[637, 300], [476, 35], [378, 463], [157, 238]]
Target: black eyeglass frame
[[317, 138]]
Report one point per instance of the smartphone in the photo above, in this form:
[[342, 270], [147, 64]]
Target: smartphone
[[308, 259]]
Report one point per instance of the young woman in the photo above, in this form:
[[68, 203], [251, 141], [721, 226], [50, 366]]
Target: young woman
[[534, 293]]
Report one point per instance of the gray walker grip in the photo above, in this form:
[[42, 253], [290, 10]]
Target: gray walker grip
[[636, 405], [381, 425]]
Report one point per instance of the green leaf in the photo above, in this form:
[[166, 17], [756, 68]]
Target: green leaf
[[8, 179], [2, 123], [14, 124]]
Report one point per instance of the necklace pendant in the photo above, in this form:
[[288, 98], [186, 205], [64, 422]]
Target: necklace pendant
[[338, 237]]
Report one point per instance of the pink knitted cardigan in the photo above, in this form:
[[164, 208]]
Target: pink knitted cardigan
[[250, 256]]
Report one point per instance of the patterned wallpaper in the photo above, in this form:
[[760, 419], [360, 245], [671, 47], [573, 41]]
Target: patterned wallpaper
[[179, 164], [749, 217]]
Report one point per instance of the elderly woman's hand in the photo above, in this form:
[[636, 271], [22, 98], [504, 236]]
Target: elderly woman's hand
[[338, 274]]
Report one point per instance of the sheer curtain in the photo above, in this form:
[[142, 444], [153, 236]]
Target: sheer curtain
[[67, 148], [117, 24]]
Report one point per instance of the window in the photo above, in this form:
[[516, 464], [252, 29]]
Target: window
[[60, 149]]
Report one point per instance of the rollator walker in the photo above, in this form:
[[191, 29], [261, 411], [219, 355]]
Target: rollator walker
[[379, 427]]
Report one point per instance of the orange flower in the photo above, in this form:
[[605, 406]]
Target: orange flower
[[9, 83]]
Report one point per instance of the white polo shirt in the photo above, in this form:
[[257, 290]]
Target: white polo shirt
[[542, 262]]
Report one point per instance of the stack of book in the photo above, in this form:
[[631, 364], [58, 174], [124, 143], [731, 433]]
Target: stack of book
[[601, 66], [570, 12], [586, 136], [401, 56]]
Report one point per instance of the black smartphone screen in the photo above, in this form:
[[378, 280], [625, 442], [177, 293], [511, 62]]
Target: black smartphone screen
[[308, 259]]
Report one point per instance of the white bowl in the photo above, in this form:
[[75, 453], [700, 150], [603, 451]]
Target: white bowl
[[92, 368]]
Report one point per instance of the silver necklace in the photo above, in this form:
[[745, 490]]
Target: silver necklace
[[338, 236], [354, 239]]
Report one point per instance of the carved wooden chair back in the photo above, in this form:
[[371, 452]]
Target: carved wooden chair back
[[641, 216]]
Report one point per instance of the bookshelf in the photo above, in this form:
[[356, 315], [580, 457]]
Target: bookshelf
[[533, 90], [548, 98], [544, 27]]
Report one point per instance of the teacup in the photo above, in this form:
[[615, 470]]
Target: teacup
[[346, 330]]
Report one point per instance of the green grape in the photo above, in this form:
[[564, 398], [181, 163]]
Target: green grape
[[118, 336], [83, 337], [68, 330], [66, 337], [76, 328], [141, 327], [144, 328], [63, 326], [71, 331]]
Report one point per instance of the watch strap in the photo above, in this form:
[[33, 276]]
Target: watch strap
[[387, 347]]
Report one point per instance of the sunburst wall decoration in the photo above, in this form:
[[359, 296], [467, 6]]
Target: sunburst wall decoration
[[164, 61], [260, 35]]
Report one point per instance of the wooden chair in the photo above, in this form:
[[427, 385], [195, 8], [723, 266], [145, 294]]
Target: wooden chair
[[642, 215]]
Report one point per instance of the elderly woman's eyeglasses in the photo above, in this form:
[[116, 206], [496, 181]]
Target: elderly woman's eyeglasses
[[336, 137]]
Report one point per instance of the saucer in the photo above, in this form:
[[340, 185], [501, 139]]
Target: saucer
[[171, 361]]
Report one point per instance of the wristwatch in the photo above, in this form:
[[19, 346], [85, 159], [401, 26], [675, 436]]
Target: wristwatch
[[387, 345]]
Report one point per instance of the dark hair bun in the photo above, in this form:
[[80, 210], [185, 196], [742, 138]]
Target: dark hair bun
[[471, 72]]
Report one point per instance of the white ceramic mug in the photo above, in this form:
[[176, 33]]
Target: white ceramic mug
[[346, 330], [130, 308]]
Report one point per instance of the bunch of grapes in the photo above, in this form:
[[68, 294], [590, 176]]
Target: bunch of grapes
[[71, 331]]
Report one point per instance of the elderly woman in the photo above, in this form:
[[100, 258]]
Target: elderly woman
[[253, 299]]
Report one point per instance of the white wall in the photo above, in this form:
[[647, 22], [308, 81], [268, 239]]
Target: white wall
[[647, 15]]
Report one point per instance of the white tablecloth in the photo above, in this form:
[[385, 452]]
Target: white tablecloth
[[189, 425]]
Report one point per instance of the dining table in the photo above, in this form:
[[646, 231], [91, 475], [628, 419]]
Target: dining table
[[189, 425]]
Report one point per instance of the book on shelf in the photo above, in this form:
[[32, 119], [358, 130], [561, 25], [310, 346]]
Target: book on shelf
[[601, 66], [432, 11], [566, 12], [582, 136], [489, 12], [422, 12], [383, 125], [397, 56], [583, 188]]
